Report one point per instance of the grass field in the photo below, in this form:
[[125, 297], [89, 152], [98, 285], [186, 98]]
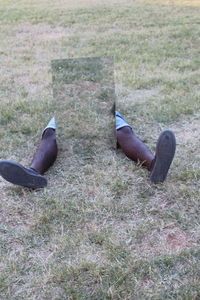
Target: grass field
[[100, 230]]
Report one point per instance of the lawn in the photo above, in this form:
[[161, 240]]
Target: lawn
[[100, 230]]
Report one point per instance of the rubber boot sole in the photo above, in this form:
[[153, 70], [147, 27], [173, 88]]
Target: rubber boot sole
[[19, 175], [165, 151]]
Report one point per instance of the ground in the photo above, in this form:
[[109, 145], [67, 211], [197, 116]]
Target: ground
[[100, 230]]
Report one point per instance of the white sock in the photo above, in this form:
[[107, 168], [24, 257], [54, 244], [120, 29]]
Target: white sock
[[51, 124]]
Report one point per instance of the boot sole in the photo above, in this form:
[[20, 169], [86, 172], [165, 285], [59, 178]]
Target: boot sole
[[165, 151], [19, 175]]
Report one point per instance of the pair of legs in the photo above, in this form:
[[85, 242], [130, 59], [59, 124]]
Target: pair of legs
[[133, 148]]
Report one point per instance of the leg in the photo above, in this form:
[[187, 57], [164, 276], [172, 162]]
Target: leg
[[46, 153], [133, 148], [44, 157]]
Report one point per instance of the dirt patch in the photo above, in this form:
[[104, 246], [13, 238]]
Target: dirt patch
[[177, 240], [43, 33], [89, 85], [145, 242], [128, 95], [169, 240], [175, 2], [189, 131]]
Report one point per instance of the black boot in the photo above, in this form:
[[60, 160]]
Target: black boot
[[165, 150], [17, 174]]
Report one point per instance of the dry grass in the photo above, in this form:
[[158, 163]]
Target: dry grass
[[100, 230], [62, 4]]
